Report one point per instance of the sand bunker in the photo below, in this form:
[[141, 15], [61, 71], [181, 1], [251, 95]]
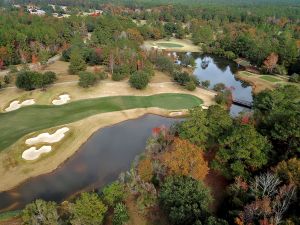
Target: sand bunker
[[48, 138], [33, 153], [16, 104], [63, 99]]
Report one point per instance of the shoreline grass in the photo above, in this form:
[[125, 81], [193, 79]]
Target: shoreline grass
[[169, 45], [18, 123]]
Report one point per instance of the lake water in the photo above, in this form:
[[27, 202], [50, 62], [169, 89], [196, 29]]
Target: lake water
[[220, 70], [98, 162]]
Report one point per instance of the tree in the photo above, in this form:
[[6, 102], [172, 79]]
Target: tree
[[202, 35], [188, 60], [164, 64], [289, 171], [270, 62], [277, 115], [185, 200], [28, 80], [120, 72], [145, 169], [219, 123], [88, 209], [87, 79], [48, 78], [77, 62], [121, 216], [205, 83], [139, 79], [113, 193], [184, 158], [40, 213], [242, 151], [195, 128], [219, 87]]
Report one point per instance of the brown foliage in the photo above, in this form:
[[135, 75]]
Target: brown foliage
[[271, 61], [145, 170], [134, 34], [185, 158], [289, 171]]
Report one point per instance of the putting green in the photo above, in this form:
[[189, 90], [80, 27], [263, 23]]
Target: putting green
[[18, 123], [169, 45]]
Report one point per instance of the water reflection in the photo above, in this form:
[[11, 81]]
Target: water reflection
[[98, 162]]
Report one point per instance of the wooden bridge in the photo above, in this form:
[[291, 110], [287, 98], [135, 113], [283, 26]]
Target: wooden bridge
[[243, 103]]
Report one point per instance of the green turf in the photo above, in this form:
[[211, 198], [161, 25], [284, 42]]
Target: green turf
[[169, 45], [18, 123], [9, 215], [269, 78]]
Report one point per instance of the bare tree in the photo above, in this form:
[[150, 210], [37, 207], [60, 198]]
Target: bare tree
[[265, 185], [282, 201]]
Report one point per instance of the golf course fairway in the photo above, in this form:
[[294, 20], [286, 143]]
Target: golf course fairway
[[14, 125]]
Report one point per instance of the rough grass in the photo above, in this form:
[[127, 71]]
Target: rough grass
[[18, 123], [9, 215], [169, 45], [270, 78]]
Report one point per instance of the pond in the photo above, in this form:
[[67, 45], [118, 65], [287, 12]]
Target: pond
[[98, 162], [219, 70]]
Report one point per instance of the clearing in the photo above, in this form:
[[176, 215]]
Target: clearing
[[173, 44]]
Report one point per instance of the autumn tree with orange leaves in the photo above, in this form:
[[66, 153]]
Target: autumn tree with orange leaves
[[184, 158], [270, 62]]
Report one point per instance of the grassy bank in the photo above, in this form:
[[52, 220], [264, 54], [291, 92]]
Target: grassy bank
[[16, 124]]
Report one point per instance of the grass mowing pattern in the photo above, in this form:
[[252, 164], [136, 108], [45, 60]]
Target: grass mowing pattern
[[18, 123], [169, 45], [269, 78]]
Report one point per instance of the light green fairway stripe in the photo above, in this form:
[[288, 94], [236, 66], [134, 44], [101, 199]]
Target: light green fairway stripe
[[18, 123], [169, 45]]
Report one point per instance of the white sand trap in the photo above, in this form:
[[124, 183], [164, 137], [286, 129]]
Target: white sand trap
[[48, 138], [63, 99], [33, 153], [16, 104], [204, 107]]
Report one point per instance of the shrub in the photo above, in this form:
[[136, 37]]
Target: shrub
[[120, 214], [164, 64], [101, 75], [87, 79], [139, 80], [219, 87], [120, 72], [205, 83], [48, 78], [188, 60], [77, 63], [190, 82], [7, 79], [229, 55], [182, 77], [294, 78], [190, 86]]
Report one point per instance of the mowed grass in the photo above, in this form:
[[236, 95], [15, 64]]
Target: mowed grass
[[169, 45], [18, 123], [270, 78]]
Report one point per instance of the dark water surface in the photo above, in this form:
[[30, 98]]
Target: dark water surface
[[98, 162], [219, 70]]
